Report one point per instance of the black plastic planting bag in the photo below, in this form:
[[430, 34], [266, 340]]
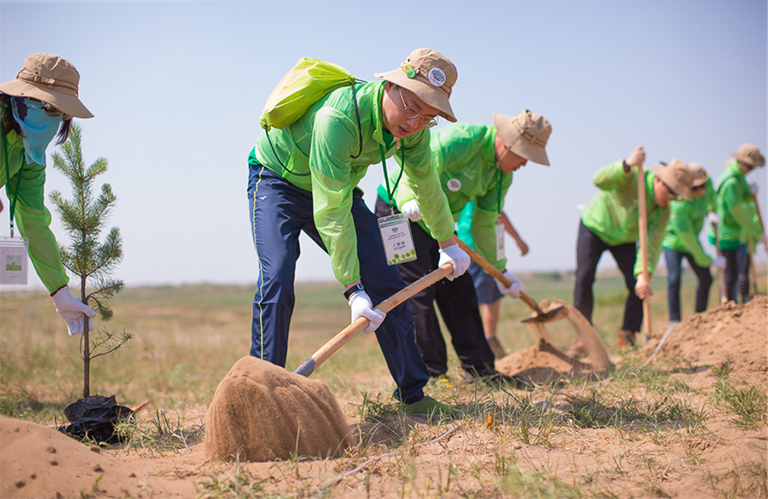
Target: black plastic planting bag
[[94, 417]]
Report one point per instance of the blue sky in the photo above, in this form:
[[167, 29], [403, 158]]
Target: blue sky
[[177, 88]]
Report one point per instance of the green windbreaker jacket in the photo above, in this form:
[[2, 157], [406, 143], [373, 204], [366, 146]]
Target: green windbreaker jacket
[[32, 217], [737, 218], [686, 219], [465, 159], [613, 215], [322, 143]]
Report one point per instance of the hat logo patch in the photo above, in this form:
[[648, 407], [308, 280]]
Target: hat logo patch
[[436, 77], [454, 185], [409, 71]]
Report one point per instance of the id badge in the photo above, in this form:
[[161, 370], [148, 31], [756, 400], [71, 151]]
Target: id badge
[[396, 235], [13, 260], [499, 241]]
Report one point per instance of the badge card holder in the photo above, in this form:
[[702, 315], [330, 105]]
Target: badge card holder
[[500, 241], [396, 235], [13, 260]]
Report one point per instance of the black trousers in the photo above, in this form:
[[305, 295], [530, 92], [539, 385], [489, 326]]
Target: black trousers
[[589, 249], [458, 305]]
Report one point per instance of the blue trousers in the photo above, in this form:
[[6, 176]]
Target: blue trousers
[[735, 264], [279, 212], [674, 260]]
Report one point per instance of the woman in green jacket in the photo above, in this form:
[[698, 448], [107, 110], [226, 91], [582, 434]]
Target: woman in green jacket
[[686, 219], [38, 103]]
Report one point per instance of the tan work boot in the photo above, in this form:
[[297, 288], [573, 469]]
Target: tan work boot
[[626, 339], [496, 348]]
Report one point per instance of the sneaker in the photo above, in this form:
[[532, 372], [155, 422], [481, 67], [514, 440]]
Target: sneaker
[[496, 348], [626, 339], [496, 379], [431, 408], [578, 349]]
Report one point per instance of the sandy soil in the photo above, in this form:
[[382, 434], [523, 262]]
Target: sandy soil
[[38, 462]]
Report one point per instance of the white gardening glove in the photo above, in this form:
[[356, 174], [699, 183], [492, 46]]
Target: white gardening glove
[[361, 306], [71, 309], [515, 287], [411, 210], [713, 218], [753, 188], [455, 256], [719, 262]]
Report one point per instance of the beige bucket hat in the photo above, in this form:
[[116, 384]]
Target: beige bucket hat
[[700, 175], [750, 155], [525, 134], [428, 74], [677, 176], [51, 79]]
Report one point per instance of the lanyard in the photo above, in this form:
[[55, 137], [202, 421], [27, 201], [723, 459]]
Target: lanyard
[[13, 197], [391, 193], [498, 191]]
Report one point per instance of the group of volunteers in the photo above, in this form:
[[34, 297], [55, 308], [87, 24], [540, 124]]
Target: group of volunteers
[[304, 178]]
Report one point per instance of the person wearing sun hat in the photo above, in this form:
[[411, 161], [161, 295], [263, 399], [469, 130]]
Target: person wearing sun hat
[[475, 164], [736, 213], [686, 219], [304, 177], [610, 223], [34, 107]]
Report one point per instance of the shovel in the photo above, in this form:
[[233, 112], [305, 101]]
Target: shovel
[[540, 316], [308, 366], [643, 226]]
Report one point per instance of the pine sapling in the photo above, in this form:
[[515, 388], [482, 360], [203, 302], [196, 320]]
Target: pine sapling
[[84, 218]]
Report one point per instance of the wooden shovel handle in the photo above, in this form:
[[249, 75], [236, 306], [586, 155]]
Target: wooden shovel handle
[[496, 273], [643, 227], [349, 332]]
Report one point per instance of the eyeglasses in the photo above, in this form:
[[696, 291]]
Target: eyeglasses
[[51, 111], [671, 194], [410, 114]]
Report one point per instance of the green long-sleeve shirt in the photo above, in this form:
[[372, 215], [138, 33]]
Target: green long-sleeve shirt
[[321, 144], [32, 217], [686, 219], [465, 158], [737, 217], [613, 215]]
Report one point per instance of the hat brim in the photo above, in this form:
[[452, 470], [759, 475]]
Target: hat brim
[[430, 95], [64, 102], [748, 160], [677, 186], [516, 143]]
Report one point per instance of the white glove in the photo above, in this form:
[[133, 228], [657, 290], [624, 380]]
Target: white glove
[[753, 188], [515, 287], [71, 309], [411, 210], [719, 262], [455, 256], [713, 218], [361, 306]]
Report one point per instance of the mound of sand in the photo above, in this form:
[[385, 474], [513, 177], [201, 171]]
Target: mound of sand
[[37, 461], [262, 412], [541, 363], [736, 334]]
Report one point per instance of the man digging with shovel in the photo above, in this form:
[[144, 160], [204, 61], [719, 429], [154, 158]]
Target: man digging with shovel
[[304, 178], [475, 163], [610, 222]]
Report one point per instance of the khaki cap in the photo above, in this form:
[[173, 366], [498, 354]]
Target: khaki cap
[[428, 74], [750, 155], [700, 175], [525, 134], [51, 79], [677, 176]]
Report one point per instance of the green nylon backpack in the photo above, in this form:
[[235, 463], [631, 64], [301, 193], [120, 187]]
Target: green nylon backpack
[[306, 83]]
